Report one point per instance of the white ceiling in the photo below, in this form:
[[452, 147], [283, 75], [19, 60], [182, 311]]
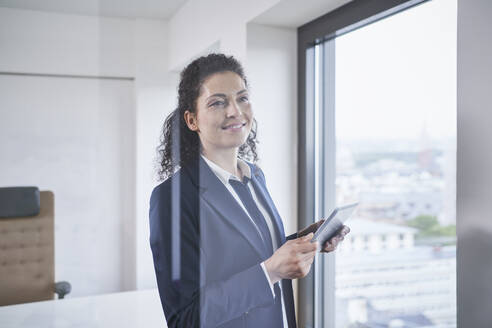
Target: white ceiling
[[287, 13], [294, 13], [158, 9]]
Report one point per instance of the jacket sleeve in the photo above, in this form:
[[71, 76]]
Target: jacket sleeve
[[187, 301], [293, 236]]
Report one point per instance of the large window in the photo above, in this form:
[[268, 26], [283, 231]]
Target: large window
[[380, 96]]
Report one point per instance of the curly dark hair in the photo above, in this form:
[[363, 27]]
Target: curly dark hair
[[178, 144]]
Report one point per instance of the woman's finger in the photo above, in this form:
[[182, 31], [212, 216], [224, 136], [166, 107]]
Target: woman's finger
[[345, 230], [328, 247], [335, 240]]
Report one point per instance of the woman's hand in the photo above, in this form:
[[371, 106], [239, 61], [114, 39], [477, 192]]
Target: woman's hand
[[292, 260], [331, 244]]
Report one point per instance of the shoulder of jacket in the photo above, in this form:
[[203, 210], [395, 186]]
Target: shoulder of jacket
[[255, 169], [166, 185]]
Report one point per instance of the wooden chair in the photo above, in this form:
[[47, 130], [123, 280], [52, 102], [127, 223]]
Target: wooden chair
[[27, 247]]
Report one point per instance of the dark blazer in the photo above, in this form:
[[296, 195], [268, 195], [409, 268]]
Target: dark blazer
[[207, 253]]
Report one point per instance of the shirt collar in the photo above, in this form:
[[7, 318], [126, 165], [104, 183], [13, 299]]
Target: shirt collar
[[224, 175]]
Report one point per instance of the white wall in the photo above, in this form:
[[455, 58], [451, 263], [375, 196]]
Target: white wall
[[271, 69], [214, 21], [42, 42], [474, 156], [156, 98], [104, 131], [75, 138]]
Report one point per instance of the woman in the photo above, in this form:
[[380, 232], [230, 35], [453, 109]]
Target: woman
[[220, 253]]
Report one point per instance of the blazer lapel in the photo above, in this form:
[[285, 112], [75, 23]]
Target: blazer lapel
[[213, 191], [267, 201]]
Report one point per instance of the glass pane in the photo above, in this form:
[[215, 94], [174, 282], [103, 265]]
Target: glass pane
[[395, 108]]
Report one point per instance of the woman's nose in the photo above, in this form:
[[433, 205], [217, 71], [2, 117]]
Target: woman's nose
[[233, 109]]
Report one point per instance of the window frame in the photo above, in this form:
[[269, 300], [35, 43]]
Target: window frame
[[315, 54]]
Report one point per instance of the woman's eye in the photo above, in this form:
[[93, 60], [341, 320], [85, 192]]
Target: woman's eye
[[244, 99], [217, 103]]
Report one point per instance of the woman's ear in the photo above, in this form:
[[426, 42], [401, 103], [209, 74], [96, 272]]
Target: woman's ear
[[190, 120]]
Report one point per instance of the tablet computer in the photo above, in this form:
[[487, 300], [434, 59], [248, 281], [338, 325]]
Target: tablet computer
[[333, 223]]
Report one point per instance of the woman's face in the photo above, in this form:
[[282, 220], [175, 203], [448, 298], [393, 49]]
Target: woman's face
[[223, 116]]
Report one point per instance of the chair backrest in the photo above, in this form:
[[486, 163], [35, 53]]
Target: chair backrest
[[27, 255]]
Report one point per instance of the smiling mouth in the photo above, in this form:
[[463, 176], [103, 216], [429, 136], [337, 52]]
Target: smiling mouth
[[234, 126]]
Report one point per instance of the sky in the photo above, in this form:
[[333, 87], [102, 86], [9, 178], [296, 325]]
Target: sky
[[397, 75]]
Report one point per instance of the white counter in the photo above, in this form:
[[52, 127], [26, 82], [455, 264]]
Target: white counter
[[127, 309]]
